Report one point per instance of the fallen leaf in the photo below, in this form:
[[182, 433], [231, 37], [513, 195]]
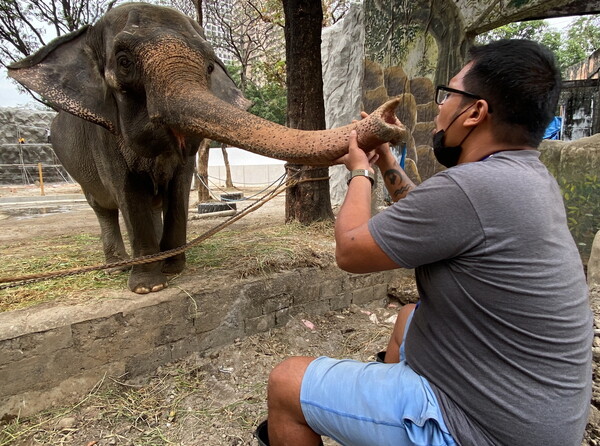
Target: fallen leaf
[[308, 324]]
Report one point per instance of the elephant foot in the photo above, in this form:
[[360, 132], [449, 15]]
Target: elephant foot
[[118, 270], [173, 265], [117, 258], [144, 283], [145, 290]]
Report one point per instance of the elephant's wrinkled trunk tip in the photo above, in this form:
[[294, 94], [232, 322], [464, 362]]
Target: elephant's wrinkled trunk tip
[[387, 116]]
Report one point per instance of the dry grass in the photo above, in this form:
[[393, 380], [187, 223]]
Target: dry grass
[[218, 397], [242, 252]]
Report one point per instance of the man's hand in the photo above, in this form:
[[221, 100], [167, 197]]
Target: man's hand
[[357, 158]]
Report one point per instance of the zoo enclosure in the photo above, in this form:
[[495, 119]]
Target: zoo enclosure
[[24, 145]]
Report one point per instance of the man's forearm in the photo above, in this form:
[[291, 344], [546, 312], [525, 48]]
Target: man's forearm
[[395, 179], [356, 208]]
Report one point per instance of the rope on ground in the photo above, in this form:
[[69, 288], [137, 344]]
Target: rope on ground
[[11, 282], [213, 195]]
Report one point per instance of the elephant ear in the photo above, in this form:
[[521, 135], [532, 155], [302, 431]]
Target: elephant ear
[[223, 87], [66, 75]]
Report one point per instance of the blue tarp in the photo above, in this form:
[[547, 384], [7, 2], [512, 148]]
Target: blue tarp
[[553, 130]]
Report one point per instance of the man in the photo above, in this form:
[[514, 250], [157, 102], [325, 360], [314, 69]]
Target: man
[[498, 351]]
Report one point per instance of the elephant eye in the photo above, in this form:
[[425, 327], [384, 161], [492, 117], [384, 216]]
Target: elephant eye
[[123, 62], [211, 68]]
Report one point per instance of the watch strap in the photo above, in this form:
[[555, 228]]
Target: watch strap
[[361, 173]]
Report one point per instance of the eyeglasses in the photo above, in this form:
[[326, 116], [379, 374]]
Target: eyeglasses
[[442, 92]]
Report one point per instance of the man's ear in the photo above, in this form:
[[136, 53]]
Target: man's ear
[[477, 113]]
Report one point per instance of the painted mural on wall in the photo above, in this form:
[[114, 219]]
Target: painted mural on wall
[[409, 48]]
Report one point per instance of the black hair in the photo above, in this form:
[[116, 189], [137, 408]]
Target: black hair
[[521, 83]]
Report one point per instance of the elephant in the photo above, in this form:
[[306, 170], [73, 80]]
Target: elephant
[[136, 93]]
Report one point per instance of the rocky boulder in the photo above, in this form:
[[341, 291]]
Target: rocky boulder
[[576, 167]]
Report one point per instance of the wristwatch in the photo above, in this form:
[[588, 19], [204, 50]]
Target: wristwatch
[[361, 173]]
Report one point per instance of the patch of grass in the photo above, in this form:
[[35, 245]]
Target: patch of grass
[[244, 252], [61, 253]]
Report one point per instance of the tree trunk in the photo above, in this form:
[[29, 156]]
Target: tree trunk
[[202, 171], [228, 180], [307, 202]]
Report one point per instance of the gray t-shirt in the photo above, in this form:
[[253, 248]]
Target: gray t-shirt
[[504, 329]]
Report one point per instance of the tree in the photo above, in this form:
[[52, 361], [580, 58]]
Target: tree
[[307, 202], [245, 30], [582, 38], [532, 30], [334, 11], [268, 95]]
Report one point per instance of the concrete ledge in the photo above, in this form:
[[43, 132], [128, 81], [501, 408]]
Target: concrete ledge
[[55, 354], [41, 199]]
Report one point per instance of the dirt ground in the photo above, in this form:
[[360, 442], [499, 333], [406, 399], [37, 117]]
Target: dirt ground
[[217, 397]]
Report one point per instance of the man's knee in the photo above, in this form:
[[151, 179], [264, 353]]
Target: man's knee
[[285, 380]]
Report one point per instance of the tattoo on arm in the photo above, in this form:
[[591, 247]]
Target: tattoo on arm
[[400, 192], [394, 177]]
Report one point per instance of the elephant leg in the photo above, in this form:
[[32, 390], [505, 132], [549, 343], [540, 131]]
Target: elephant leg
[[139, 217], [112, 240], [175, 209]]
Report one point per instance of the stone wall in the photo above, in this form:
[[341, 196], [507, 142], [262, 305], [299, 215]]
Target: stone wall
[[54, 355], [576, 167], [587, 69], [19, 162]]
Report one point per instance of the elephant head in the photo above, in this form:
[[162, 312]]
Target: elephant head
[[143, 67]]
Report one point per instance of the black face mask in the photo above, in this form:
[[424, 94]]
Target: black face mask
[[448, 156]]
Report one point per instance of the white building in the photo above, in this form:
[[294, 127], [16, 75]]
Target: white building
[[215, 13]]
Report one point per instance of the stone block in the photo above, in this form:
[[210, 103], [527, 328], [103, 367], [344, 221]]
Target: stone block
[[282, 317], [277, 302], [427, 112], [35, 344], [147, 362], [407, 111], [423, 133], [372, 99], [422, 89], [308, 293], [363, 296], [373, 76], [396, 81], [259, 324], [333, 286], [340, 301]]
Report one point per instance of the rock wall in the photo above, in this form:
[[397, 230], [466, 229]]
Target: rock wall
[[19, 162], [576, 167], [29, 124], [342, 54], [53, 355]]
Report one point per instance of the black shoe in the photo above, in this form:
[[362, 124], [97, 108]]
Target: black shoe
[[262, 434], [380, 357]]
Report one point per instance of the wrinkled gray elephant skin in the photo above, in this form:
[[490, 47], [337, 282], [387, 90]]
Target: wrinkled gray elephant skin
[[136, 93]]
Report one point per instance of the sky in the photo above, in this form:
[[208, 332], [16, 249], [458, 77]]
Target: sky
[[11, 97]]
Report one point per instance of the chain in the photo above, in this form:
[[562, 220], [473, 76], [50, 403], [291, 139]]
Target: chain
[[11, 282]]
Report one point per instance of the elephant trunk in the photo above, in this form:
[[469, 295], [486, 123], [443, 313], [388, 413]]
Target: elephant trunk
[[190, 108]]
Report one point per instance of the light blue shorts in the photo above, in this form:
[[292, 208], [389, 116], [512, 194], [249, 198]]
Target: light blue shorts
[[372, 404]]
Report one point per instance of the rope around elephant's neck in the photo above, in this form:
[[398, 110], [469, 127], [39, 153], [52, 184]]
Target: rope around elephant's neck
[[11, 282]]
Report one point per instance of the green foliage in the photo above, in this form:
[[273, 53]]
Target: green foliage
[[583, 38], [269, 98], [580, 39], [582, 203], [532, 30], [269, 102]]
